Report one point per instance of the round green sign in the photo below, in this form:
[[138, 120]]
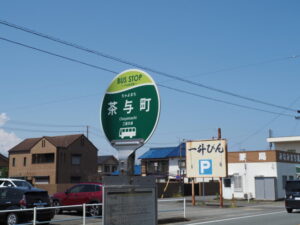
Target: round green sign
[[131, 106]]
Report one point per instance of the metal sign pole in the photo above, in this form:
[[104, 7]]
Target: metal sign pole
[[193, 191]]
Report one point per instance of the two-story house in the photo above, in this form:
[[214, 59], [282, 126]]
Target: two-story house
[[164, 163], [54, 160]]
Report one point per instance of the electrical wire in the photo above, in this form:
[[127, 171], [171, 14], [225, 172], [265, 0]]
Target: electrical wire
[[20, 123], [43, 131], [225, 102], [56, 101], [57, 55], [117, 59], [107, 70], [264, 126], [247, 65]]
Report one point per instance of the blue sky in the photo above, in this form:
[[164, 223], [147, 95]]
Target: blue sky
[[205, 41]]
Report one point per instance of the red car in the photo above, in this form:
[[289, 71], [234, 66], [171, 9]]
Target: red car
[[79, 194]]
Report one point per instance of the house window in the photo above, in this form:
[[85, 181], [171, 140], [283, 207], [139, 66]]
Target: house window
[[181, 163], [24, 161], [14, 162], [76, 159], [291, 177], [161, 167], [42, 180], [237, 182], [106, 168], [43, 143], [284, 179], [227, 182], [43, 158]]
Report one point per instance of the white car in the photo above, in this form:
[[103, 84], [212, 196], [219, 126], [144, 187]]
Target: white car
[[9, 182]]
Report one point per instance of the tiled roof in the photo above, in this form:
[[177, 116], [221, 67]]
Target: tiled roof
[[58, 141], [3, 157], [103, 159], [25, 145], [164, 152], [63, 141]]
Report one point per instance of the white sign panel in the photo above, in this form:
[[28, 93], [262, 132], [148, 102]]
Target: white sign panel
[[206, 158]]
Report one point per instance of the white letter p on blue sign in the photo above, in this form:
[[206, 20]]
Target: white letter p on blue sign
[[205, 167]]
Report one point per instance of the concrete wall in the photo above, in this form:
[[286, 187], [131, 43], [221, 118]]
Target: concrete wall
[[248, 171]]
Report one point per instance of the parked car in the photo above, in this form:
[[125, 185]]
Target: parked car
[[9, 182], [22, 198], [79, 194], [292, 195]]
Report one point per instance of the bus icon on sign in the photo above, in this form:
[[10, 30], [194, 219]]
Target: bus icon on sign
[[205, 167], [127, 132]]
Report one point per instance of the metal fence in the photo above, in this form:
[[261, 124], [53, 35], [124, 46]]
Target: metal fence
[[83, 208]]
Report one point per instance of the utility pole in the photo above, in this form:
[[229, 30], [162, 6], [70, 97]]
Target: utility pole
[[220, 178], [180, 161], [270, 135]]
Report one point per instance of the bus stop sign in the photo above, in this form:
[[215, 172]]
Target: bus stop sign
[[130, 108]]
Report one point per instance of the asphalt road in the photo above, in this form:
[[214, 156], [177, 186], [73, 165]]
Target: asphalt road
[[272, 213]]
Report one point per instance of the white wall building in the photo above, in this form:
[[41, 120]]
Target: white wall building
[[260, 174]]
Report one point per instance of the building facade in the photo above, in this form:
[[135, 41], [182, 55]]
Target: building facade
[[3, 166], [107, 165], [260, 174], [164, 163], [54, 160]]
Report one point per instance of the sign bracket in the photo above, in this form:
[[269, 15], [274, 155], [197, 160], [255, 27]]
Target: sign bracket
[[126, 152]]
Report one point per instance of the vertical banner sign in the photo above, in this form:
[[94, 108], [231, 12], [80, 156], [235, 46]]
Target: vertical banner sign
[[206, 158], [130, 108]]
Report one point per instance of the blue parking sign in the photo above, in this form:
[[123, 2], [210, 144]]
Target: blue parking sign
[[205, 167]]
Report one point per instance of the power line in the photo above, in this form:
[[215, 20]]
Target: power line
[[95, 128], [39, 131], [225, 102], [265, 125], [164, 86], [248, 65], [57, 55], [96, 134], [41, 124], [55, 39], [56, 101]]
